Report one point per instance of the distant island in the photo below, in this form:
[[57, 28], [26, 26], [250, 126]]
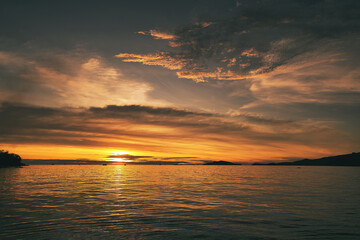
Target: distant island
[[10, 160], [221, 163], [352, 159]]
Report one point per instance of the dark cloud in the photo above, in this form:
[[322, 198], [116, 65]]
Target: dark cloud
[[167, 162], [150, 160], [263, 120], [259, 37], [27, 123], [128, 157], [172, 117], [63, 162], [118, 159], [94, 162], [116, 111]]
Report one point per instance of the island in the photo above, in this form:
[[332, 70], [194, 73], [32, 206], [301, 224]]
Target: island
[[10, 159], [352, 159], [221, 163]]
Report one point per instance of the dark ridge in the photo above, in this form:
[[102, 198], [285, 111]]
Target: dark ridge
[[221, 163], [10, 160], [352, 159]]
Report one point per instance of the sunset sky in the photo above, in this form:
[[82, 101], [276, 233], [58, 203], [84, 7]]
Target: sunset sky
[[180, 81]]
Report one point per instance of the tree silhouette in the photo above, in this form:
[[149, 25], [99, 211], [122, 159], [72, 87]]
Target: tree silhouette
[[10, 159]]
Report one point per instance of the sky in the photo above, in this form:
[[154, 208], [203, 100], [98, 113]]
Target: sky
[[180, 81]]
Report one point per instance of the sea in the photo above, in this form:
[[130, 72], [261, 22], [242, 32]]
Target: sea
[[179, 202]]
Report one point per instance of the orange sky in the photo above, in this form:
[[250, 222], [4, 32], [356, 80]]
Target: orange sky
[[158, 133]]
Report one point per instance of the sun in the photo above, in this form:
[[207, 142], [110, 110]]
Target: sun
[[118, 156]]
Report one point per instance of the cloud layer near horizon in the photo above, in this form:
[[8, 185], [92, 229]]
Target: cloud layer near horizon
[[176, 132]]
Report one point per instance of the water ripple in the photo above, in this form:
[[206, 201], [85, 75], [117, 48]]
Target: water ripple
[[179, 202]]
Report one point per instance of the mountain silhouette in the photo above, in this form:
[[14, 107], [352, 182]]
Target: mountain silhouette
[[352, 159], [10, 159]]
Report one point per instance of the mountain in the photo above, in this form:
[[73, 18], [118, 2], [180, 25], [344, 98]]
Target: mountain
[[352, 159]]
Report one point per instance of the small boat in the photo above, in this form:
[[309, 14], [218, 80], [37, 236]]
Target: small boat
[[104, 164]]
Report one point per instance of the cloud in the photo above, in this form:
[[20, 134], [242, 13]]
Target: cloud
[[280, 52], [150, 160], [120, 111], [166, 131], [172, 62], [158, 35], [323, 76], [67, 79], [259, 37], [127, 157], [63, 162], [219, 74]]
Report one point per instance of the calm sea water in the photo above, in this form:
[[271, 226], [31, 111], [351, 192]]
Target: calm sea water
[[180, 202]]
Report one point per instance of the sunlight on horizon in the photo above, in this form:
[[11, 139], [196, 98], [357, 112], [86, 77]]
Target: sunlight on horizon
[[119, 156]]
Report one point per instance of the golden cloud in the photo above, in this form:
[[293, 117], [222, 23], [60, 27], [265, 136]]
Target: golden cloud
[[158, 35], [158, 59]]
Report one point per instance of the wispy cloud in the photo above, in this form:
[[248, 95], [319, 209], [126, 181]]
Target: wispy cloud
[[158, 35], [169, 61], [219, 74], [69, 80]]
